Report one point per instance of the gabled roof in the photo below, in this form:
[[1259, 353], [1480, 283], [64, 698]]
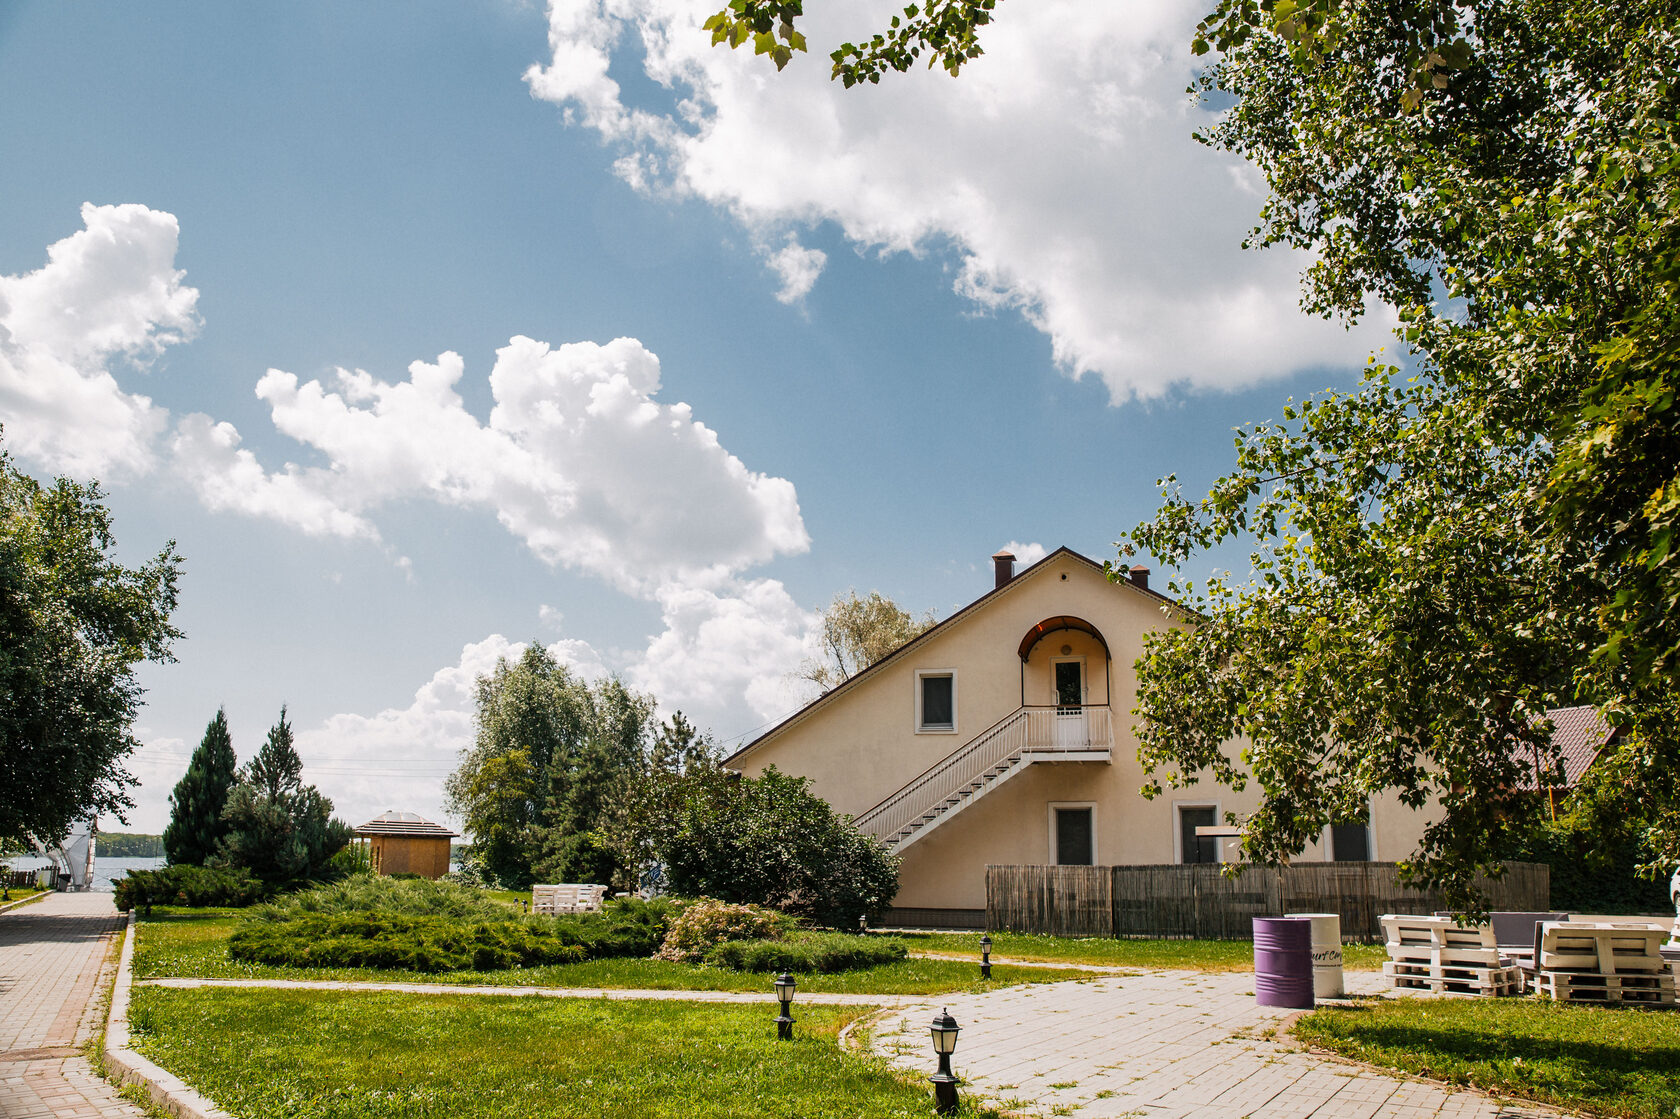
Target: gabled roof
[[404, 823], [984, 600], [1579, 734]]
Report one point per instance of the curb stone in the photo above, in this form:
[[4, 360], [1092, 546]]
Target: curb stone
[[125, 1066]]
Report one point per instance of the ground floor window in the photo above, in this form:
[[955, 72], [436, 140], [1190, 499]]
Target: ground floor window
[[1074, 834], [1351, 842], [1195, 848]]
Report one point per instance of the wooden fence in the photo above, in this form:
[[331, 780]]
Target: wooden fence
[[1197, 900]]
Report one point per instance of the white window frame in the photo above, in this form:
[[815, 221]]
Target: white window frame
[[1050, 823], [919, 727], [1178, 827]]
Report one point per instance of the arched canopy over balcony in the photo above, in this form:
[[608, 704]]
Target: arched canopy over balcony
[[1056, 625]]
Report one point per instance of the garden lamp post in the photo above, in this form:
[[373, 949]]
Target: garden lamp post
[[945, 1031], [784, 993], [986, 956]]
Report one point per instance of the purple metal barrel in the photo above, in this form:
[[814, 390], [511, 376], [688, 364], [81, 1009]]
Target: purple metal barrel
[[1283, 964]]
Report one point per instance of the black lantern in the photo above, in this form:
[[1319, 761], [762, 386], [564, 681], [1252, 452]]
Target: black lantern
[[986, 956], [945, 1031], [784, 993]]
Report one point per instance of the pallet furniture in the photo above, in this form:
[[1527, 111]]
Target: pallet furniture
[[1514, 933], [566, 897], [1609, 962], [1437, 954]]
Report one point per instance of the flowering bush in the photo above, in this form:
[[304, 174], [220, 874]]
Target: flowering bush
[[708, 922]]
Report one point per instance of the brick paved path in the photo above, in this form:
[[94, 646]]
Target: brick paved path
[[53, 955], [1162, 1045]]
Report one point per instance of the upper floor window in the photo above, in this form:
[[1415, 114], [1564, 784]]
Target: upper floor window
[[936, 701]]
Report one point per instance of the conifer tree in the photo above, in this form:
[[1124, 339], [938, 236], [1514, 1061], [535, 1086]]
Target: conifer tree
[[195, 816], [278, 828]]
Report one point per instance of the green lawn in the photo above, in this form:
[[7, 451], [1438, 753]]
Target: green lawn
[[1195, 955], [321, 1054], [194, 943], [1610, 1060]]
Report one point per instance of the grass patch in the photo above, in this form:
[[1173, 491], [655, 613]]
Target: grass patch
[[1618, 1061], [372, 1056], [193, 943], [1191, 955]]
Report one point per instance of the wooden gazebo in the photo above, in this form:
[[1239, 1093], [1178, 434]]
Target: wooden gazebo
[[407, 843]]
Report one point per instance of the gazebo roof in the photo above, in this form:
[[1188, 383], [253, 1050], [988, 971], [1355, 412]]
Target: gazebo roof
[[404, 823]]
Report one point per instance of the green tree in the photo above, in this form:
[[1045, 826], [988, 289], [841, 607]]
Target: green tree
[[74, 623], [586, 780], [549, 753], [770, 841], [633, 822], [196, 826], [1440, 557], [278, 828], [857, 632]]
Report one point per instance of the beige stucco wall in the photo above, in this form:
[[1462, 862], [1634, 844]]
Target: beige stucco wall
[[863, 745]]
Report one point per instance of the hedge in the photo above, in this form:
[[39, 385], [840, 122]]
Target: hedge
[[810, 953], [187, 885], [402, 941]]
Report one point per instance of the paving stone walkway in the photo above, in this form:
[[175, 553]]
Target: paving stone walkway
[[1163, 1045], [55, 955]]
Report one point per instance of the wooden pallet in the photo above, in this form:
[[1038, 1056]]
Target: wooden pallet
[[1635, 989], [1603, 949], [1440, 942], [1450, 979]]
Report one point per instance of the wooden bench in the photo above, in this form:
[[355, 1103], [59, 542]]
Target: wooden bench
[[1606, 962], [566, 897], [1437, 954]]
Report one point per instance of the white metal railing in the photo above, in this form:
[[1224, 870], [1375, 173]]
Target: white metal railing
[[1027, 734]]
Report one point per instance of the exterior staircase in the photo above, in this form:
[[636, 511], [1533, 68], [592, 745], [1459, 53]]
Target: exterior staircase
[[1026, 736]]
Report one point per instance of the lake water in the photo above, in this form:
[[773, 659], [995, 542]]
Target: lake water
[[104, 870]]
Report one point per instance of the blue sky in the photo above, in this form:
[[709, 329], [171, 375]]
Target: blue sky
[[862, 339]]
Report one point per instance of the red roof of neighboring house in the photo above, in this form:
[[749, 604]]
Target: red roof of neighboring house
[[1579, 734]]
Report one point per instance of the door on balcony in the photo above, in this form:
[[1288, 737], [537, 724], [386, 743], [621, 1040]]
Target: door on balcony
[[1073, 731]]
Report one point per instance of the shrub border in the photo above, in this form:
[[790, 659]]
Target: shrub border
[[125, 1066]]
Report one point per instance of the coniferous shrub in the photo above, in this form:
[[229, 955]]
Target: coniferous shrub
[[816, 953], [187, 885], [365, 893], [402, 941], [624, 928]]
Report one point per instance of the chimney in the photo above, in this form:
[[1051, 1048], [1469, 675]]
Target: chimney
[[1003, 567], [1140, 577]]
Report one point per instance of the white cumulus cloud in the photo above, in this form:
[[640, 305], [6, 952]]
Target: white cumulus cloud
[[579, 460], [1025, 554], [107, 293], [398, 757], [1059, 167], [725, 653]]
